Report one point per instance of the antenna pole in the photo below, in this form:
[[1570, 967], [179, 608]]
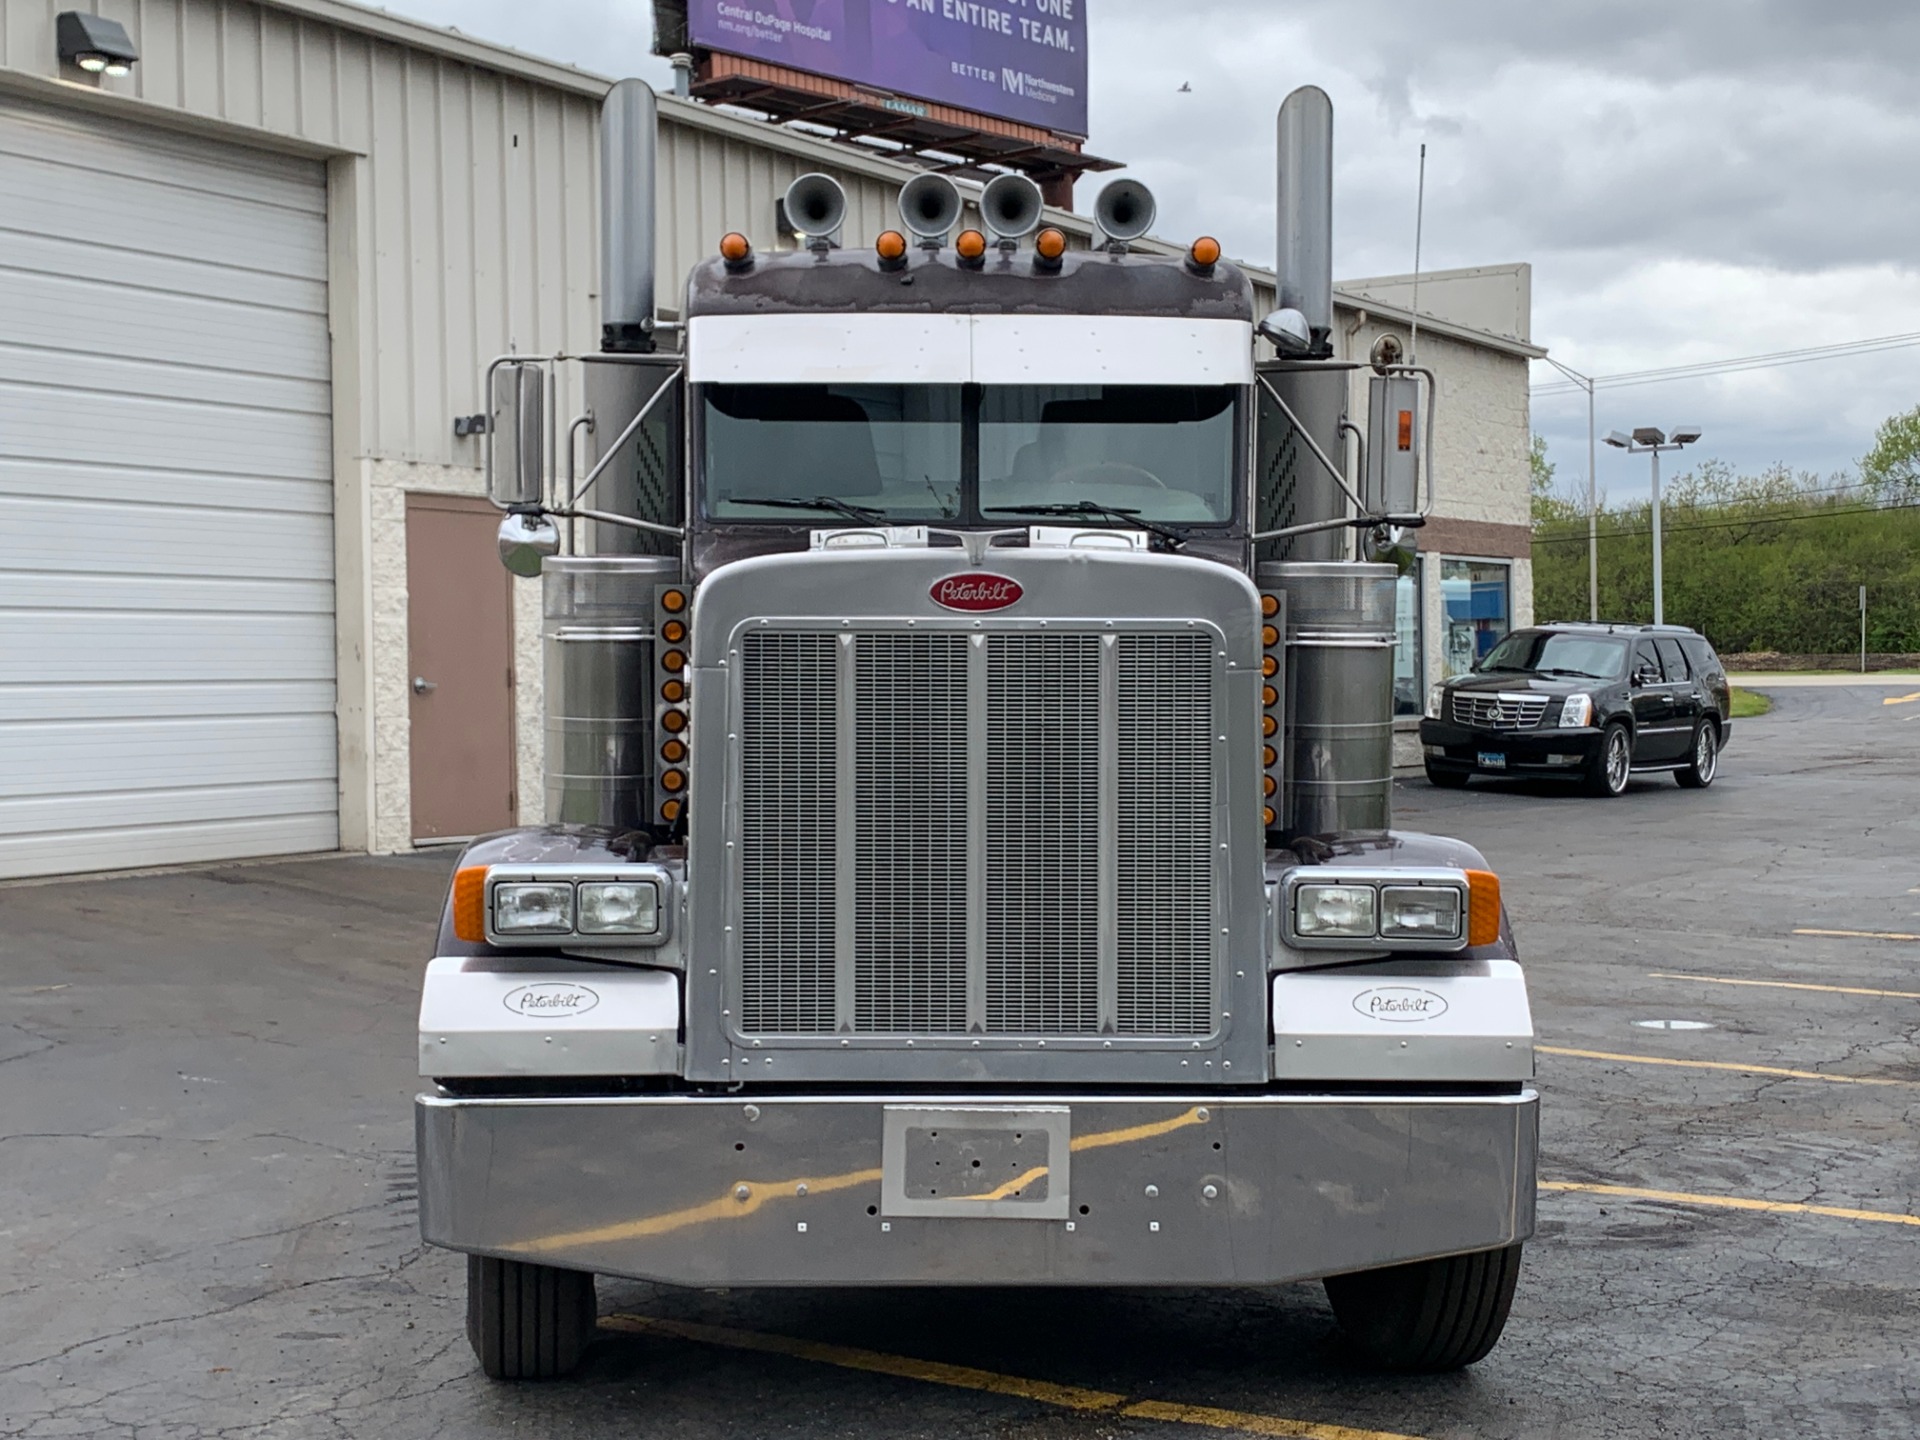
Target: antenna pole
[[1419, 218]]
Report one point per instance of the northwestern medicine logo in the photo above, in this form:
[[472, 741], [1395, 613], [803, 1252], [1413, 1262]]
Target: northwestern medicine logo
[[975, 592]]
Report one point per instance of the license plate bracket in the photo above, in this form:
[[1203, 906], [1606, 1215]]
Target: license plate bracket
[[1493, 760], [982, 1162]]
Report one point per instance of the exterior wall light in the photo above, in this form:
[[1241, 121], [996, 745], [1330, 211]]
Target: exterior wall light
[[94, 43]]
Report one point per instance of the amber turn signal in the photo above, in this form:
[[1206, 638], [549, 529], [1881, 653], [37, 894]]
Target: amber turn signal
[[1483, 907], [470, 904], [1204, 253], [1050, 244], [735, 247], [674, 751], [674, 601], [674, 780], [891, 245], [971, 245]]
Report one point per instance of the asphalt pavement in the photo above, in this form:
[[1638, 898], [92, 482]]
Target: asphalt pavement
[[207, 1188]]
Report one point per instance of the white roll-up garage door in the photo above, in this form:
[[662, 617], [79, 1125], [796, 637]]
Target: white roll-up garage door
[[166, 529]]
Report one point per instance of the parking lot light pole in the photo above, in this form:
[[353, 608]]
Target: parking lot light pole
[[1585, 382], [1649, 440]]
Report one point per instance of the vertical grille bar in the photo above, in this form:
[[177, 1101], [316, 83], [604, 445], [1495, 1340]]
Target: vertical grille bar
[[910, 794], [788, 738], [1043, 833], [1166, 835]]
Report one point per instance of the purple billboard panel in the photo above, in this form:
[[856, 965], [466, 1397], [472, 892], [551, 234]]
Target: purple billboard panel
[[1022, 60]]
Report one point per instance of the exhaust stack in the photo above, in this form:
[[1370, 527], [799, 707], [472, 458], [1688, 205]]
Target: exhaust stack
[[627, 126], [1304, 258]]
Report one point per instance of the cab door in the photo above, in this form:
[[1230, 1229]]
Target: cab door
[[1654, 741]]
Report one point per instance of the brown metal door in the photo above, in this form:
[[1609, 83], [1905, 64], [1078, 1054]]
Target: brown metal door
[[460, 675]]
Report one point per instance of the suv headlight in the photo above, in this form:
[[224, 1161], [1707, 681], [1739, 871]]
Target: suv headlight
[[1330, 910], [1436, 697], [1577, 710], [533, 909]]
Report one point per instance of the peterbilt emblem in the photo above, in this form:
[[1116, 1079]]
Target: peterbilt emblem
[[975, 592], [550, 998], [1400, 1004]]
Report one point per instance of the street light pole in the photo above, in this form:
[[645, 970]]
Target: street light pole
[[1585, 382], [1649, 440]]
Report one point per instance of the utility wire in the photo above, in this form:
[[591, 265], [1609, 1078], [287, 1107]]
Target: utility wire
[[1669, 529], [1735, 365]]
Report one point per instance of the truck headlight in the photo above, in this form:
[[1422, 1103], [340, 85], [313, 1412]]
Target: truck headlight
[[533, 909], [1334, 910], [1577, 710], [1419, 912], [623, 907], [1436, 697]]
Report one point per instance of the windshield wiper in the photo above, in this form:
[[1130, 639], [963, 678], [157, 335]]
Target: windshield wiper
[[1561, 670], [1120, 514], [862, 514]]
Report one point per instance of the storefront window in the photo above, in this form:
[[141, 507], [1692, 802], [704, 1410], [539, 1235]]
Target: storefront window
[[1409, 674], [1477, 598]]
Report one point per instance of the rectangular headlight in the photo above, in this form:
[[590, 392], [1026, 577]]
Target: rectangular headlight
[[1419, 912], [619, 907], [533, 909], [1342, 911]]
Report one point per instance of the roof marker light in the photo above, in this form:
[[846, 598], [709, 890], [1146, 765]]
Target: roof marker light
[[891, 247], [972, 245], [1204, 253], [1050, 244], [735, 249]]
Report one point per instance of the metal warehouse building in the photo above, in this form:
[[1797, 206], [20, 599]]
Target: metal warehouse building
[[249, 603]]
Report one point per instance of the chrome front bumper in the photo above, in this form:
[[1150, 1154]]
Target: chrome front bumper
[[781, 1190]]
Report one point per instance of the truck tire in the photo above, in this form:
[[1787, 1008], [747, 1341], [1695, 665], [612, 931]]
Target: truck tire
[[527, 1322], [1703, 758], [1612, 763], [1430, 1315]]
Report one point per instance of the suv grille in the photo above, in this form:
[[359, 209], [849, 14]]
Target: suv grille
[[1480, 710], [927, 845]]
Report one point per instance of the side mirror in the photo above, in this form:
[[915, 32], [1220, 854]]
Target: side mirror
[[1645, 675], [1289, 332], [516, 433]]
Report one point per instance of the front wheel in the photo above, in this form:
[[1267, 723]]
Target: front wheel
[[1612, 763], [527, 1322], [1705, 762], [1430, 1315]]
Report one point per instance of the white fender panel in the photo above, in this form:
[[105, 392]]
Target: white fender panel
[[1464, 1020], [480, 1019]]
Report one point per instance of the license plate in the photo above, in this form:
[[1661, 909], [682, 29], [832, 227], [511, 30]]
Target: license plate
[[1492, 760], [983, 1162]]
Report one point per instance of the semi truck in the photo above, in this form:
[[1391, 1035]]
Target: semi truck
[[968, 856]]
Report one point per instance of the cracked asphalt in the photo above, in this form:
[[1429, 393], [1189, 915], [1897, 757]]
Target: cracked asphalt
[[207, 1188]]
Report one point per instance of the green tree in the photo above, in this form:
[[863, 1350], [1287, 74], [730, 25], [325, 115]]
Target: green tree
[[1892, 468], [1548, 504]]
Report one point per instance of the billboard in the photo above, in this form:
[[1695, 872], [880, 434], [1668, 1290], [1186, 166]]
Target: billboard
[[1023, 60]]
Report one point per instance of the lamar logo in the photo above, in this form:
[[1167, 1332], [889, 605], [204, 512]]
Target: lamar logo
[[1399, 1004], [550, 998], [975, 592]]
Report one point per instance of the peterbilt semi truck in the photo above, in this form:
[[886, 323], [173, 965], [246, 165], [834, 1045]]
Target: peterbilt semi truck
[[969, 855]]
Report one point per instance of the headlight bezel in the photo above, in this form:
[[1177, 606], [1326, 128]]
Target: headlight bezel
[[1377, 938], [574, 877], [1576, 711], [1437, 700]]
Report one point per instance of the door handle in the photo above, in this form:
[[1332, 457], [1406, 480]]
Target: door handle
[[421, 685]]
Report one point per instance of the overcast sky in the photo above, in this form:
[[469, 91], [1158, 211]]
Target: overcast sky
[[1689, 181]]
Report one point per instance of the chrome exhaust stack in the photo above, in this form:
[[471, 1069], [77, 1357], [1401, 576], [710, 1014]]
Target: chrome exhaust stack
[[628, 118], [1304, 254]]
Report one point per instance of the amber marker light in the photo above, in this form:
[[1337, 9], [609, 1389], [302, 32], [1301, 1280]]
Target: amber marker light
[[1269, 635], [1483, 907], [1268, 815], [1269, 695], [674, 721], [1270, 666], [674, 601], [1269, 725], [674, 780], [674, 691], [674, 631], [735, 248], [971, 245], [670, 810], [1269, 606], [1269, 756], [1204, 253], [1050, 244], [674, 751], [891, 245], [1269, 785], [674, 660], [470, 904]]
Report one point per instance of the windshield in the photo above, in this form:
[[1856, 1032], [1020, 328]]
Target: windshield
[[994, 454], [890, 449], [1597, 657]]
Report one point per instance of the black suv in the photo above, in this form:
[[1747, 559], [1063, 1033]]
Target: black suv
[[1588, 702]]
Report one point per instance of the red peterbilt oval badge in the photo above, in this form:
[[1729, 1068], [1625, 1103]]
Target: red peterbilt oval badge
[[975, 592]]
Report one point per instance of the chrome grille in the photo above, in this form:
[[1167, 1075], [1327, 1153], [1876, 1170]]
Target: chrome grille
[[1482, 710], [965, 833], [789, 735], [910, 833]]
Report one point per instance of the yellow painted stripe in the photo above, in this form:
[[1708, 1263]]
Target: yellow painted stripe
[[1790, 985], [965, 1377], [1719, 1065], [1733, 1202], [1901, 699], [1861, 934]]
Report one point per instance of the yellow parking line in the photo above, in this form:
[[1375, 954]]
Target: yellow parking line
[[965, 1377], [1901, 699], [1720, 1065], [1733, 1202], [1790, 985], [1861, 934]]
